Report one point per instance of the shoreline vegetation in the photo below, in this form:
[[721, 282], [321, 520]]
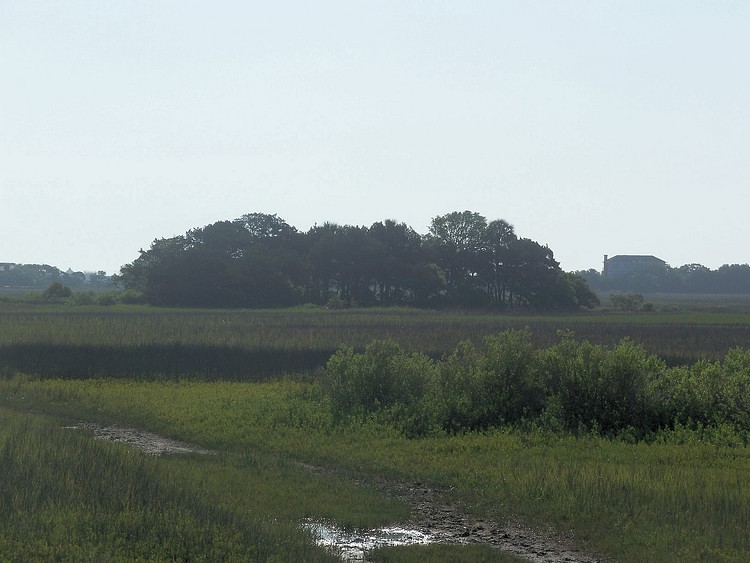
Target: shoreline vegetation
[[626, 433]]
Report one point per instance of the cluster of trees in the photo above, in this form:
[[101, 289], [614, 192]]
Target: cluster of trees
[[41, 276], [259, 260], [572, 386], [690, 278]]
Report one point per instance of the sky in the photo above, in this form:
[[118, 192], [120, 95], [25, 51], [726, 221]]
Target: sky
[[594, 127]]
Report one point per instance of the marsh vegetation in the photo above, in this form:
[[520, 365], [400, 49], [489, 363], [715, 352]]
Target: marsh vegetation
[[662, 478]]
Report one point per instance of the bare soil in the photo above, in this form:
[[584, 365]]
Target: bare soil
[[148, 442], [434, 513]]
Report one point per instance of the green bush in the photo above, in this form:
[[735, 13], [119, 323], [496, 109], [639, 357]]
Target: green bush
[[626, 301], [730, 394], [505, 382], [57, 292], [603, 389], [681, 395], [459, 389], [385, 381], [620, 392], [511, 384], [706, 393]]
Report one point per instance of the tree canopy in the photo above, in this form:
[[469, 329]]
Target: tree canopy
[[690, 278], [258, 260], [37, 277]]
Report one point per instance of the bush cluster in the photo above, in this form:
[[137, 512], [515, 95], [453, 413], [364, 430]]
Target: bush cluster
[[571, 386], [60, 294]]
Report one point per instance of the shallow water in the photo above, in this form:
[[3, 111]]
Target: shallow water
[[353, 545]]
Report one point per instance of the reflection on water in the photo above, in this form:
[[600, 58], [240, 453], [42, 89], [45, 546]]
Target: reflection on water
[[353, 545]]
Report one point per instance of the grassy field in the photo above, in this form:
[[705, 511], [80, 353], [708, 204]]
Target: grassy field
[[240, 345], [215, 378]]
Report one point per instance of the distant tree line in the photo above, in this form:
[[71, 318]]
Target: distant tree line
[[690, 278], [259, 260], [37, 277]]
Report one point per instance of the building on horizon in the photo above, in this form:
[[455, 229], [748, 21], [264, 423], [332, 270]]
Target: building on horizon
[[626, 264]]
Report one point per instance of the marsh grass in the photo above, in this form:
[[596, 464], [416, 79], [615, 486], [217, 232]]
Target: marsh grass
[[193, 375], [686, 501], [64, 496], [148, 343]]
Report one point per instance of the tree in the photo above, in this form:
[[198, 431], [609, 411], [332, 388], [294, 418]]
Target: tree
[[31, 275], [343, 260], [398, 254], [460, 231], [259, 260], [148, 274], [262, 226], [227, 238], [456, 240], [498, 238], [241, 263], [584, 296], [534, 275], [320, 252]]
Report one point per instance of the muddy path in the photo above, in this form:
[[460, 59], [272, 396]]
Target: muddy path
[[435, 518], [148, 442]]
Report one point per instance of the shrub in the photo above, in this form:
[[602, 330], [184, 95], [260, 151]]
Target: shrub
[[385, 381], [681, 396], [729, 393], [706, 393], [626, 301], [620, 392], [131, 297], [510, 378], [602, 389], [57, 292], [459, 390]]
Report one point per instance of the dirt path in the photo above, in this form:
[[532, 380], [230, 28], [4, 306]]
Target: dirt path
[[432, 514], [148, 442]]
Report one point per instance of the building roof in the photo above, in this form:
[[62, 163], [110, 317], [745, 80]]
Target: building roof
[[632, 257]]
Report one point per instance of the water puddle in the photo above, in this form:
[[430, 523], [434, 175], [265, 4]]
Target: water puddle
[[353, 545]]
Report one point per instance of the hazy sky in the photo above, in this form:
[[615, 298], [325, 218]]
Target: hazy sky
[[596, 127]]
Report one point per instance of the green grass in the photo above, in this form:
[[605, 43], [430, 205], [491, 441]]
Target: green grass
[[213, 378], [632, 502], [66, 497]]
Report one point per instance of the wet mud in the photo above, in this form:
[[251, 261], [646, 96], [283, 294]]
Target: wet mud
[[435, 518], [148, 442]]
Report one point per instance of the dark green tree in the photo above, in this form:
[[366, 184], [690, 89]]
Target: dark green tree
[[259, 260], [534, 276], [457, 241], [398, 255], [222, 264], [495, 270]]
